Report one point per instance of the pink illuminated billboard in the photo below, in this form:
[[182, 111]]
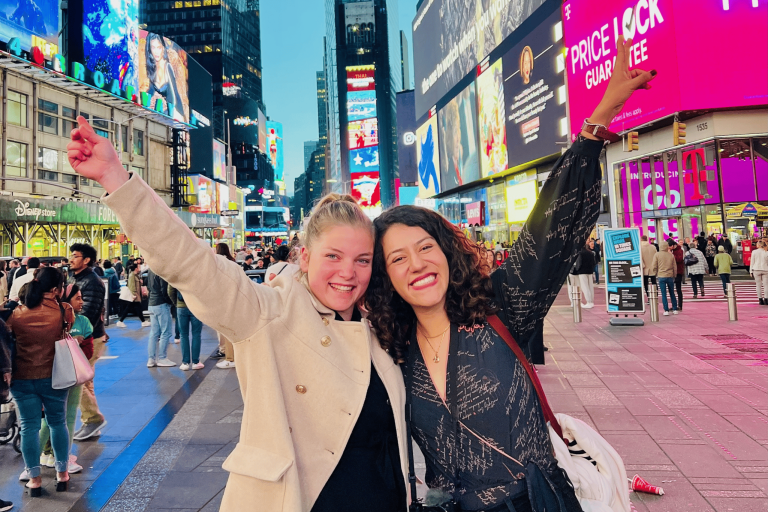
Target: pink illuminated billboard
[[708, 53]]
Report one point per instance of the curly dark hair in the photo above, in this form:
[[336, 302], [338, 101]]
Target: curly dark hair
[[468, 299]]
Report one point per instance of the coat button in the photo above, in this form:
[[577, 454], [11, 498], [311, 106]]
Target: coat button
[[301, 389], [325, 341], [325, 321]]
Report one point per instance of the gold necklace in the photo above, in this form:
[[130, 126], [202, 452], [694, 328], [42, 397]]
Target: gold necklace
[[436, 359]]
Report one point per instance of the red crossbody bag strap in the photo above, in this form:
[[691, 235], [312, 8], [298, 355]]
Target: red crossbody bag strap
[[549, 416]]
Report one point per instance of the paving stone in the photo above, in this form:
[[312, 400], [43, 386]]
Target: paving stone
[[754, 425], [189, 490], [703, 461], [675, 398], [637, 448], [612, 418], [596, 396]]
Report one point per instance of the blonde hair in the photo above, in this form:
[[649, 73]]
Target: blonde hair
[[334, 210]]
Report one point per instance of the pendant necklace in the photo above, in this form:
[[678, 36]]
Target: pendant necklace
[[436, 359]]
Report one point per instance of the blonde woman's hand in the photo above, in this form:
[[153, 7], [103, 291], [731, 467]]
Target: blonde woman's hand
[[94, 157]]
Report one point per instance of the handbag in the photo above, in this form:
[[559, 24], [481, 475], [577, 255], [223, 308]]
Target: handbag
[[70, 366], [125, 294], [690, 259]]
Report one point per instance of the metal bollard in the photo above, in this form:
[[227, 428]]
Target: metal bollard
[[733, 314], [576, 299], [653, 299]]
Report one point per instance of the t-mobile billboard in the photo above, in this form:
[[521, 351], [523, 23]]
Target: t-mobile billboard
[[691, 44], [450, 37]]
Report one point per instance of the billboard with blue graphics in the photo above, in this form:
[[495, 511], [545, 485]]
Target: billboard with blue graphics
[[623, 271], [364, 160]]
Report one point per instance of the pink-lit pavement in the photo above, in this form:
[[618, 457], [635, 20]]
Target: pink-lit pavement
[[684, 401]]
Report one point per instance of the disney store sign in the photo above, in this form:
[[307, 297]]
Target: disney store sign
[[23, 210]]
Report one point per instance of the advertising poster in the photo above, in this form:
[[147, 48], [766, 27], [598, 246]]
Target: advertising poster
[[534, 90], [364, 160], [200, 194], [427, 156], [275, 147], [361, 105], [262, 127], [366, 189], [623, 271], [111, 40], [450, 37], [34, 23], [222, 197], [363, 134], [163, 75], [521, 199], [492, 120], [457, 122], [406, 137], [219, 161]]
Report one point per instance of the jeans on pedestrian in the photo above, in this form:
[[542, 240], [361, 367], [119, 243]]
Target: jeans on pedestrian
[[667, 284], [31, 395], [186, 321], [761, 282], [597, 274], [697, 279], [160, 332], [725, 278], [73, 402], [679, 288]]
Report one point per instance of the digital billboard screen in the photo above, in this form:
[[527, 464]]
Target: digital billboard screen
[[534, 91], [428, 158], [201, 113], [406, 137], [364, 160], [219, 161], [201, 194], [262, 128], [450, 37], [275, 147], [520, 201], [33, 23], [163, 75], [361, 78], [111, 40], [361, 105], [491, 120], [366, 190], [672, 37], [363, 134], [457, 123]]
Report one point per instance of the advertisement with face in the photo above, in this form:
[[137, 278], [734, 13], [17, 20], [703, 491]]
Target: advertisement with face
[[275, 147], [366, 190], [457, 122], [451, 36], [34, 23], [111, 40], [534, 89], [491, 115], [219, 161], [363, 134], [163, 75], [427, 156], [364, 160]]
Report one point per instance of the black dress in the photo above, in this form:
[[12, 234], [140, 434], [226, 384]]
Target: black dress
[[498, 407], [369, 476]]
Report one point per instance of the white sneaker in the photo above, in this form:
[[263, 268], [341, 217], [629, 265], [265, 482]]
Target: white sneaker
[[666, 313], [177, 340], [146, 324], [121, 324], [225, 364], [165, 362], [73, 466], [588, 305], [184, 367], [675, 312], [47, 460], [151, 363], [24, 476], [198, 366]]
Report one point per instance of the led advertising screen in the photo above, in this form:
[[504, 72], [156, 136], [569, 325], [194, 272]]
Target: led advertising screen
[[363, 134], [262, 127], [222, 197], [366, 189], [200, 115], [111, 40], [219, 161], [361, 105], [200, 194], [491, 120], [520, 201], [406, 137], [364, 160], [163, 76], [457, 123], [33, 23], [427, 156], [275, 147], [534, 90], [451, 36], [673, 37]]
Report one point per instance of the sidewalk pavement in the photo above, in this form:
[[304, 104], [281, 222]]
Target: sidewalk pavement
[[684, 402]]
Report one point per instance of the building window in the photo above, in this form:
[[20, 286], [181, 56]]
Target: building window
[[84, 181], [16, 153], [68, 122], [48, 159], [47, 175], [47, 123], [17, 108], [70, 179], [138, 170], [138, 142], [101, 127], [124, 136]]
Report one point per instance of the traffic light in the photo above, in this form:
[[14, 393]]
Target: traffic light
[[679, 133], [633, 140]]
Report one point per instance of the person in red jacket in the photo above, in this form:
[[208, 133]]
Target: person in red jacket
[[679, 255]]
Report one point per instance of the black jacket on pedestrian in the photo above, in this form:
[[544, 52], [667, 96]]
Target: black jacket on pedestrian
[[93, 290], [585, 262], [158, 290], [5, 359], [118, 268]]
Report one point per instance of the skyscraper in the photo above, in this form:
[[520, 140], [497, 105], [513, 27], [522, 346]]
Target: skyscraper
[[309, 147], [405, 62]]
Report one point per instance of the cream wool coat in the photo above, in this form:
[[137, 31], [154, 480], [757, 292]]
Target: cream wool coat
[[303, 375]]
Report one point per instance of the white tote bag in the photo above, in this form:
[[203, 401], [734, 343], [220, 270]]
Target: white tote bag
[[125, 294], [70, 366]]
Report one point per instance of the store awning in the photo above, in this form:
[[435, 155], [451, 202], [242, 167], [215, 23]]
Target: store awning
[[748, 210]]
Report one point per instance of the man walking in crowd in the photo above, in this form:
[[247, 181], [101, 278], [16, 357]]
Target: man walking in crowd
[[81, 258], [20, 280], [758, 268], [114, 287], [597, 249], [13, 267], [161, 321], [647, 252], [697, 267], [710, 251], [723, 263], [118, 266], [664, 267], [248, 262], [679, 255]]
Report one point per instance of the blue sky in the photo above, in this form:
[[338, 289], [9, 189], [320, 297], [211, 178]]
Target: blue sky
[[291, 52]]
